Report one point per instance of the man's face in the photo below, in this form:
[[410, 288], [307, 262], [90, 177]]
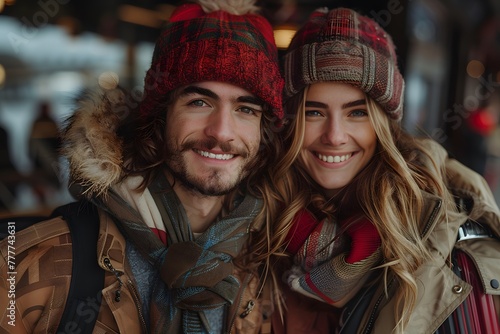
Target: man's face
[[212, 136]]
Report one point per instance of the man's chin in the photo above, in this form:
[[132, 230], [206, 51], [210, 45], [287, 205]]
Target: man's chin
[[212, 186], [208, 181], [209, 190]]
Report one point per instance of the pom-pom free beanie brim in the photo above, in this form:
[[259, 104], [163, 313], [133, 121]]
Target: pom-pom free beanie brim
[[343, 46]]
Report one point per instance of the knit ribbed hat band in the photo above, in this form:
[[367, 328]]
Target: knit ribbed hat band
[[216, 46], [343, 46]]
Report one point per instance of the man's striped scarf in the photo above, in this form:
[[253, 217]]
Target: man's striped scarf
[[193, 275]]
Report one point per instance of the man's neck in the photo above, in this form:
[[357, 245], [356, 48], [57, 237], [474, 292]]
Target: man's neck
[[201, 210]]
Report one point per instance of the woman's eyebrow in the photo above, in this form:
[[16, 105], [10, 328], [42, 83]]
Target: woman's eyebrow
[[354, 103], [315, 104]]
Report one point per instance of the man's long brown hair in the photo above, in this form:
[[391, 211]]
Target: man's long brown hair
[[144, 143]]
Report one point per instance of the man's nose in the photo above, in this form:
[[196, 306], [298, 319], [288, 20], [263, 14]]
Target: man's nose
[[221, 125]]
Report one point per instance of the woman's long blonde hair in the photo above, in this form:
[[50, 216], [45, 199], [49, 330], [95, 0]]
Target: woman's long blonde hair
[[388, 191]]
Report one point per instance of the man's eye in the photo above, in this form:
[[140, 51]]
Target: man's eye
[[198, 103], [248, 110]]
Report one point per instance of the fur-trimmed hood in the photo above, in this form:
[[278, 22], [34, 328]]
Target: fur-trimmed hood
[[91, 144], [90, 141]]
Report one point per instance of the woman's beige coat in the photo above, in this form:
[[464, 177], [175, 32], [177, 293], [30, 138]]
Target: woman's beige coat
[[440, 290]]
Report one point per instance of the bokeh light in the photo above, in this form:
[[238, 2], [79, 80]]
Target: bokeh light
[[475, 68], [2, 74]]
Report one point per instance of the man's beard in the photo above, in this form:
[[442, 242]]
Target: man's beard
[[212, 184]]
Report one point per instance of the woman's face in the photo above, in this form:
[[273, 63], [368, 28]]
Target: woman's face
[[339, 138]]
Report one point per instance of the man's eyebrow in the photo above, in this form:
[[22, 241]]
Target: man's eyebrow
[[207, 92], [250, 99], [199, 90]]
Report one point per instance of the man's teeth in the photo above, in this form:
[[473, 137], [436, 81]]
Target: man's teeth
[[216, 156], [334, 158]]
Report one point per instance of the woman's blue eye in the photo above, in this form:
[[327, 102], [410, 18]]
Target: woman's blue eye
[[312, 113], [359, 113]]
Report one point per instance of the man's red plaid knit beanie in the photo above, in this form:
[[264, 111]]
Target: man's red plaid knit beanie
[[227, 42], [342, 45]]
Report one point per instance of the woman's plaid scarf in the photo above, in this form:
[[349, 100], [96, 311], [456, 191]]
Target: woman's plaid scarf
[[193, 275], [320, 270]]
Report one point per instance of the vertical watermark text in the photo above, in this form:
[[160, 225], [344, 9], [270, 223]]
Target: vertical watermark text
[[11, 272]]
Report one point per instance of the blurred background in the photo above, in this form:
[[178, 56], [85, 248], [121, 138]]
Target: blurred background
[[53, 50]]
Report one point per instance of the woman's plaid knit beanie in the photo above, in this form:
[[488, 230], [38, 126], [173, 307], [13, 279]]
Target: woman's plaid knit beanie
[[342, 45]]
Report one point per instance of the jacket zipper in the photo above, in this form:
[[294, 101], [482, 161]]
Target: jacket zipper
[[138, 303], [431, 218], [118, 274], [249, 307], [371, 319]]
